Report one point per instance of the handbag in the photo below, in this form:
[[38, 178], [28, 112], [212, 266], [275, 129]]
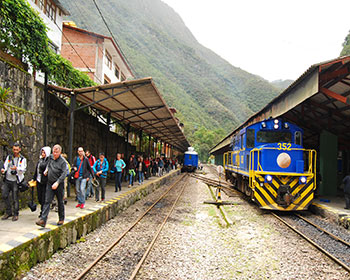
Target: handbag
[[22, 186], [76, 174]]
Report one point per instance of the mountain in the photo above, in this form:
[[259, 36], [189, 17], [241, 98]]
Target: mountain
[[282, 84], [204, 88]]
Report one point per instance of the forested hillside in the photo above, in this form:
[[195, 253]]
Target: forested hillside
[[346, 46], [207, 91]]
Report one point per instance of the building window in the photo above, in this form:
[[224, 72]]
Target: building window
[[41, 4], [123, 77], [108, 60], [51, 10], [116, 71], [106, 80], [53, 46]]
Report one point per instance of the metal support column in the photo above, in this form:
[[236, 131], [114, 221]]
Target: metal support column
[[127, 143], [140, 141], [71, 126], [46, 96], [149, 145], [107, 132]]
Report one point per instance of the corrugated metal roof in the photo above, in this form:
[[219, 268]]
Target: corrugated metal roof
[[322, 66], [137, 103]]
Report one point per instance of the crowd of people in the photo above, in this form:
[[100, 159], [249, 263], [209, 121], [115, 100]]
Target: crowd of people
[[54, 176]]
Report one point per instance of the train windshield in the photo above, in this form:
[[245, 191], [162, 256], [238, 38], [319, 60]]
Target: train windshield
[[273, 137]]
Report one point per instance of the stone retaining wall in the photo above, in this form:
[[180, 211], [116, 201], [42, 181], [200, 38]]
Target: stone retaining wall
[[23, 257]]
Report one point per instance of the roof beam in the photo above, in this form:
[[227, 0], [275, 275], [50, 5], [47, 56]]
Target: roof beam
[[148, 110], [136, 109], [108, 97], [336, 96]]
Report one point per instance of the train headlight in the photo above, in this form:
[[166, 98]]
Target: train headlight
[[286, 126], [276, 121], [276, 126], [268, 178], [302, 180], [263, 124]]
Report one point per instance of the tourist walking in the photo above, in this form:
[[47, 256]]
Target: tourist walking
[[131, 171], [141, 169], [148, 167], [14, 168], [160, 167], [83, 171], [100, 168], [56, 172], [346, 182], [119, 165], [40, 178], [90, 189]]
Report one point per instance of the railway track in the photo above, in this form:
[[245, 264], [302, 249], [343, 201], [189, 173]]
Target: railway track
[[113, 245], [328, 243]]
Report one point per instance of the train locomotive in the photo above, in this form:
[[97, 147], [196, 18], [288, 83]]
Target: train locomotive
[[190, 160], [267, 162]]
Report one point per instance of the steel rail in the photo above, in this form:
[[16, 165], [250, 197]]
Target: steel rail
[[110, 247], [215, 183], [210, 180], [323, 230], [137, 269], [335, 259]]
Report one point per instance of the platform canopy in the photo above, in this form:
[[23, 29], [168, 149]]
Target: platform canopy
[[318, 100], [137, 103]]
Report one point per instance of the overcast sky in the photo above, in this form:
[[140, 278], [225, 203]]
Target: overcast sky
[[276, 39]]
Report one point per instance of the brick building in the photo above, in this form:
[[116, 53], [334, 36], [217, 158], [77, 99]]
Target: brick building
[[98, 54]]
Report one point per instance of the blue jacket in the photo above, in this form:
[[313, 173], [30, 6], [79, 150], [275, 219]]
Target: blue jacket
[[105, 166], [119, 165]]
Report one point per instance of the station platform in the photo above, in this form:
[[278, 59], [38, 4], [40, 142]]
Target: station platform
[[23, 243], [332, 208]]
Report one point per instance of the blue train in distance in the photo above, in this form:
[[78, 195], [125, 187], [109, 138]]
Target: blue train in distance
[[190, 160], [267, 162]]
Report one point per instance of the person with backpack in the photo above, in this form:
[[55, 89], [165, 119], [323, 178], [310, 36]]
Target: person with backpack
[[40, 178], [14, 168], [90, 189], [100, 168], [83, 170]]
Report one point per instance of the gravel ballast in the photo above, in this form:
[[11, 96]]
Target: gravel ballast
[[194, 245]]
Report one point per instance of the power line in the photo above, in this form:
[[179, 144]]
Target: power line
[[110, 32]]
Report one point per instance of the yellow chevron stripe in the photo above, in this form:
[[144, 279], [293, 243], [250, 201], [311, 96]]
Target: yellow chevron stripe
[[266, 195], [272, 191], [296, 202], [261, 201], [307, 201]]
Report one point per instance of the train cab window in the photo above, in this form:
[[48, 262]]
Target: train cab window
[[229, 158], [297, 138], [242, 137], [270, 136], [250, 138]]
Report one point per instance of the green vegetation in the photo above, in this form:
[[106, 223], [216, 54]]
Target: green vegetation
[[206, 90], [23, 35], [346, 46]]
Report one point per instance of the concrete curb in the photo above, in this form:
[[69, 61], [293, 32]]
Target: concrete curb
[[21, 254], [334, 215]]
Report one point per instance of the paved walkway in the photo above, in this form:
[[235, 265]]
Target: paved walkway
[[10, 230]]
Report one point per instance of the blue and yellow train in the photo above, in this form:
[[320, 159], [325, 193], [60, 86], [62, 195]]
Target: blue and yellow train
[[267, 162]]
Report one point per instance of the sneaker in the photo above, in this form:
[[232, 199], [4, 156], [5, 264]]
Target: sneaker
[[139, 183], [97, 200], [129, 186], [82, 206], [78, 205], [102, 199], [6, 216], [14, 218], [40, 223], [59, 223]]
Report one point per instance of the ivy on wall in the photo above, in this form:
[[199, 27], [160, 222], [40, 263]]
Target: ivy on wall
[[23, 34]]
